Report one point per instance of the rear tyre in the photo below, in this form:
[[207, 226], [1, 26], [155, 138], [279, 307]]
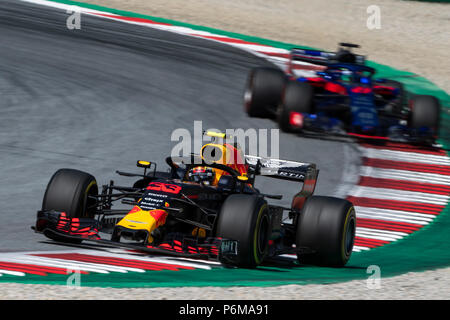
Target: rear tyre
[[263, 92], [327, 226], [68, 191], [245, 218], [424, 112], [297, 98]]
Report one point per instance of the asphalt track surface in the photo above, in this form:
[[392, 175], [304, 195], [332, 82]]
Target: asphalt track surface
[[99, 98]]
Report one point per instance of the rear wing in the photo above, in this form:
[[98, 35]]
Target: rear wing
[[288, 170], [323, 58], [283, 169], [311, 56]]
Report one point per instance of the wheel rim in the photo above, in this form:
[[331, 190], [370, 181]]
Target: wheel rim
[[89, 201], [263, 235], [349, 236], [248, 94], [248, 98]]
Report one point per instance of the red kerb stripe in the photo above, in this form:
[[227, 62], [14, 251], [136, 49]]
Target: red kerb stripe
[[371, 243], [133, 19], [33, 269], [229, 40]]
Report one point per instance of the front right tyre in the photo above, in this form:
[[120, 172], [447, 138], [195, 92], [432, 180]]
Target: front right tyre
[[70, 191], [245, 218]]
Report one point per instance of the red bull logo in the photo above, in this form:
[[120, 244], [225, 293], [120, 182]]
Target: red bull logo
[[159, 216]]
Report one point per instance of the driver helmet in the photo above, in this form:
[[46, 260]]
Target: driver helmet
[[204, 175], [345, 56]]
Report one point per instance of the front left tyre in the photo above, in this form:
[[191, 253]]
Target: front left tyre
[[245, 218]]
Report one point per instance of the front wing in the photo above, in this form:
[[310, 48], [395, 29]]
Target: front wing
[[57, 226]]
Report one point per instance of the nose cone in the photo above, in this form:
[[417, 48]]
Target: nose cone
[[138, 219], [159, 216]]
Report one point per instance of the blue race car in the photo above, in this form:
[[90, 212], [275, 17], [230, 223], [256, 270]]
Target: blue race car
[[339, 96]]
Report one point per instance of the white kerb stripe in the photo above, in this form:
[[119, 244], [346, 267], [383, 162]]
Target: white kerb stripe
[[171, 261], [376, 236], [393, 215], [360, 248], [405, 156], [396, 174], [12, 273], [382, 231], [400, 195]]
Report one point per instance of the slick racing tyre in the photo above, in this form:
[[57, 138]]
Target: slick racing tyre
[[297, 98], [424, 112], [327, 227], [263, 92], [245, 218], [68, 191]]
